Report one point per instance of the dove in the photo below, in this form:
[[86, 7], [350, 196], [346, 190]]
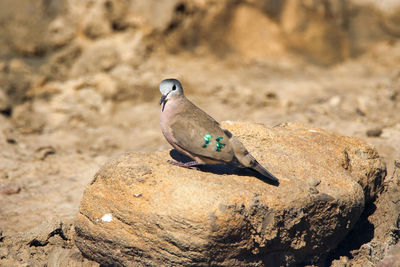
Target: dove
[[197, 135]]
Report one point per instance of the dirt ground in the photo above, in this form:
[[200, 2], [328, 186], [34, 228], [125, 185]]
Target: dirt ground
[[72, 100]]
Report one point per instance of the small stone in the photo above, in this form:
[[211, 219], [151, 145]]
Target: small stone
[[3, 252], [314, 190], [43, 152], [397, 163], [271, 95], [3, 175], [5, 104], [376, 132], [137, 195], [10, 134], [9, 189], [60, 31], [314, 181], [40, 235]]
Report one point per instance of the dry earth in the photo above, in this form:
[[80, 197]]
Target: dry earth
[[78, 85]]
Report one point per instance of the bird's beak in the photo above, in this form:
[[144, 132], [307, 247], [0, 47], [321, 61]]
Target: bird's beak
[[163, 97]]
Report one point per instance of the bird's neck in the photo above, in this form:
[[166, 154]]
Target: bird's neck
[[172, 106]]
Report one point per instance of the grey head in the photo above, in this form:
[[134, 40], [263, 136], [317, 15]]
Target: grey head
[[170, 88]]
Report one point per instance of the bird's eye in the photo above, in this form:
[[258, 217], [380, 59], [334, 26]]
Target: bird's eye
[[174, 87]]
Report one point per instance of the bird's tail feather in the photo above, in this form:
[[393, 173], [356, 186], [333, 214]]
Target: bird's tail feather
[[252, 163], [260, 169], [244, 159]]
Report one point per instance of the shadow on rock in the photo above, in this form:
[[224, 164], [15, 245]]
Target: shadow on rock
[[221, 169], [362, 233]]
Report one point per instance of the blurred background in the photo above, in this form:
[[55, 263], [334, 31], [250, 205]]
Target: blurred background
[[79, 81]]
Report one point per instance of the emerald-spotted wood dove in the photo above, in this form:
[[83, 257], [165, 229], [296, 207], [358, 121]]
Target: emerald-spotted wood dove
[[195, 134]]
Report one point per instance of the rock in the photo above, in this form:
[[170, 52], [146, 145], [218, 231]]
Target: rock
[[60, 63], [103, 55], [15, 81], [392, 259], [95, 24], [60, 256], [40, 235], [3, 253], [61, 32], [43, 152], [25, 25], [378, 229], [5, 105], [134, 85], [153, 14], [310, 31], [265, 40], [375, 132], [26, 120], [79, 103], [48, 244], [125, 77], [105, 85], [140, 210], [9, 189]]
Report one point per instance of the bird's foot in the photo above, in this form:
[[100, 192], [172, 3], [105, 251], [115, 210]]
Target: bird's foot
[[189, 165]]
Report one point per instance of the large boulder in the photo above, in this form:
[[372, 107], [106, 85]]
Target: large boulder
[[141, 210]]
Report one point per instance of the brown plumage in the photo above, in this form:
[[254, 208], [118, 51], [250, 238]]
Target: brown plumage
[[195, 134]]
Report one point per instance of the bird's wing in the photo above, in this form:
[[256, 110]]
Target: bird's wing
[[199, 134]]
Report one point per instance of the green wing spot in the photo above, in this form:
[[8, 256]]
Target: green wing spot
[[207, 138], [219, 144]]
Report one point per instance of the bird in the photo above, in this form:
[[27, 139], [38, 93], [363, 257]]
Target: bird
[[195, 134]]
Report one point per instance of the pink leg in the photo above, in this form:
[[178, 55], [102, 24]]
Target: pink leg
[[189, 164]]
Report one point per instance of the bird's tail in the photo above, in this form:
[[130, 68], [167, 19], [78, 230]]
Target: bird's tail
[[260, 169], [245, 159]]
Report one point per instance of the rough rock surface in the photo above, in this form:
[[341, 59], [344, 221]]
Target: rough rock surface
[[54, 236], [140, 210], [392, 259], [374, 238]]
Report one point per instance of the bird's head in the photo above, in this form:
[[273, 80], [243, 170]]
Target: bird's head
[[170, 88]]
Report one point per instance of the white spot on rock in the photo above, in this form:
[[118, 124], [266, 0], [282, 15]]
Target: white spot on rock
[[137, 195], [229, 122], [107, 217], [313, 131]]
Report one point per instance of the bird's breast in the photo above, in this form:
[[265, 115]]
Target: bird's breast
[[167, 115]]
